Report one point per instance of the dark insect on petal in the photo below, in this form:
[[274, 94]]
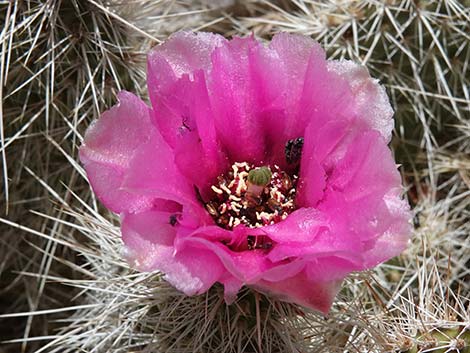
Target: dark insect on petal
[[293, 150], [173, 220], [185, 127]]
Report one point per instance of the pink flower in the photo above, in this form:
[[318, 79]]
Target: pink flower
[[259, 166]]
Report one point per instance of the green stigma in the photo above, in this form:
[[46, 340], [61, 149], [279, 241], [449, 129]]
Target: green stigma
[[260, 176]]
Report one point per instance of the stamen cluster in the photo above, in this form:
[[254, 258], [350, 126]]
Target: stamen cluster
[[236, 201]]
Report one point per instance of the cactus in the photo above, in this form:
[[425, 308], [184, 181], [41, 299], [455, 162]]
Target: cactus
[[63, 62]]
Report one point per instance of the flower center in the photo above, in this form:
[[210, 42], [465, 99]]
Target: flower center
[[252, 196]]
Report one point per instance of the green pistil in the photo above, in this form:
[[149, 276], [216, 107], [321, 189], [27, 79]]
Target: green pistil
[[260, 176]]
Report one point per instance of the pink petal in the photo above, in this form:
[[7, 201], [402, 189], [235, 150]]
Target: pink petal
[[302, 225], [232, 95], [106, 181], [314, 93], [149, 241], [186, 52], [183, 53], [363, 190], [370, 98], [396, 237], [328, 238], [281, 73], [325, 95], [334, 267], [153, 172], [300, 289], [272, 100], [182, 109], [109, 145], [312, 179], [246, 266], [296, 54], [214, 155], [321, 142], [232, 286], [198, 153], [367, 168]]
